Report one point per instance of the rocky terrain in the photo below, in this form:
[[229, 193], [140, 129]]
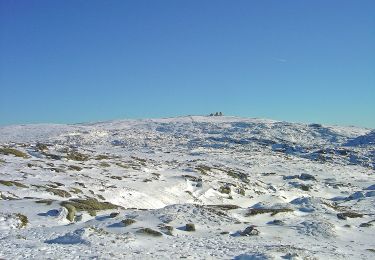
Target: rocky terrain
[[190, 187]]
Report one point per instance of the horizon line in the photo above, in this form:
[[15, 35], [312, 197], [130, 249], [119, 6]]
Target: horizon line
[[180, 116]]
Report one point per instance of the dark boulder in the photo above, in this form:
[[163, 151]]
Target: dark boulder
[[250, 231]]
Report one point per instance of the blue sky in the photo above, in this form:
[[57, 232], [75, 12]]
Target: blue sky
[[75, 61]]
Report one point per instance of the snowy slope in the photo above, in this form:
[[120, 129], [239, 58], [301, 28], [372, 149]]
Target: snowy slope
[[309, 190]]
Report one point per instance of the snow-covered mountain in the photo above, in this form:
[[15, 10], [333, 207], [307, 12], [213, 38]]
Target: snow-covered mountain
[[136, 189]]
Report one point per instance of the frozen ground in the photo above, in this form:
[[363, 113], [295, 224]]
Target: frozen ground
[[299, 191]]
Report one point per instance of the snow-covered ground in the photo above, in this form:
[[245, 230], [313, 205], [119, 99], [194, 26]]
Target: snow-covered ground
[[253, 188]]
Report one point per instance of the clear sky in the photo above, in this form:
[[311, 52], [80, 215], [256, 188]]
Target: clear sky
[[87, 60]]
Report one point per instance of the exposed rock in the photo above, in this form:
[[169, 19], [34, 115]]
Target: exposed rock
[[346, 215], [128, 221], [166, 229], [250, 231], [367, 224], [114, 214], [306, 177], [149, 231], [273, 211], [276, 222], [190, 227]]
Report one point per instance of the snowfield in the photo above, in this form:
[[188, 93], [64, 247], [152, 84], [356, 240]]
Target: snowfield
[[192, 187]]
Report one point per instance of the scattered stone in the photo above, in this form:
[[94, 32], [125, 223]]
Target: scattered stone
[[149, 231], [52, 156], [276, 222], [74, 168], [291, 177], [81, 184], [250, 231], [128, 222], [225, 207], [224, 189], [41, 147], [190, 227], [342, 152], [23, 220], [238, 175], [203, 169], [366, 224], [305, 187], [59, 192], [306, 177], [166, 229], [100, 196], [268, 173], [256, 211], [114, 214], [102, 157], [290, 256], [104, 164], [46, 201], [78, 218], [76, 156], [75, 190], [55, 169]]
